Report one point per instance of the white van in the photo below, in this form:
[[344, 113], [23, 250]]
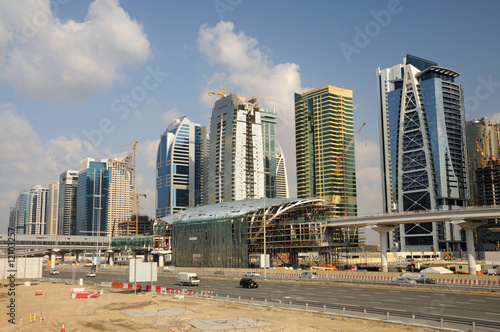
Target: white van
[[188, 279], [309, 275]]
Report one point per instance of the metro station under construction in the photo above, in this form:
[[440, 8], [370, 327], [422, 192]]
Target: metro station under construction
[[234, 234]]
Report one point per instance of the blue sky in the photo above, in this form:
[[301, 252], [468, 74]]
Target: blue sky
[[86, 77]]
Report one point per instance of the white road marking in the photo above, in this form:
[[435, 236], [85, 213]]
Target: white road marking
[[379, 293], [376, 302], [349, 297], [476, 300], [422, 296], [463, 302], [392, 300], [492, 313], [390, 309]]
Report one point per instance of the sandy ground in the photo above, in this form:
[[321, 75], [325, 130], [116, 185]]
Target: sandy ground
[[106, 313]]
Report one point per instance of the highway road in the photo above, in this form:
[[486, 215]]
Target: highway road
[[467, 307]]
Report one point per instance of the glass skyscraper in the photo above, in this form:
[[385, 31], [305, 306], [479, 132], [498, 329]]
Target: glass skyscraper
[[423, 151], [92, 198], [68, 182], [181, 167], [323, 130]]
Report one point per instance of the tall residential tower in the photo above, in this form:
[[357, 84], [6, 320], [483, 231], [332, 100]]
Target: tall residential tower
[[323, 130], [422, 143], [181, 167]]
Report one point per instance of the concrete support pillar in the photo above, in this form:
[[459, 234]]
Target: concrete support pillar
[[383, 230], [52, 260], [469, 227], [111, 259], [77, 256], [161, 260]]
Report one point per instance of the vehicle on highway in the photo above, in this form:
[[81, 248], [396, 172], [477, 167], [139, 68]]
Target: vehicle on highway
[[252, 274], [219, 273], [54, 272], [404, 281], [308, 275], [425, 281], [90, 274], [188, 279], [248, 283]]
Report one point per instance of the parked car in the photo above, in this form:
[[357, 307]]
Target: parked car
[[248, 283], [252, 274], [90, 274], [219, 273], [54, 272], [404, 281], [308, 275]]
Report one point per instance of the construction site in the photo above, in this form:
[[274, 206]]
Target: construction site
[[234, 234]]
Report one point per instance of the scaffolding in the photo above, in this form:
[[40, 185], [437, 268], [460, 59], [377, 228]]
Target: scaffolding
[[298, 227]]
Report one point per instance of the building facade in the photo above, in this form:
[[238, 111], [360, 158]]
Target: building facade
[[68, 182], [53, 209], [281, 176], [37, 210], [422, 143], [92, 198], [19, 213], [324, 128], [236, 161], [120, 192], [181, 167]]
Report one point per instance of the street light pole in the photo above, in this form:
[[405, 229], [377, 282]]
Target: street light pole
[[265, 248]]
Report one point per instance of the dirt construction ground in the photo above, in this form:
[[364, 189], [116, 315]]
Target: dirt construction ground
[[106, 313]]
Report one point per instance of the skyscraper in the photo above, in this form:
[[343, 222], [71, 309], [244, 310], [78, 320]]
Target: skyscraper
[[181, 167], [53, 209], [323, 130], [120, 198], [92, 198], [281, 176], [236, 162], [68, 182], [422, 149], [19, 215], [37, 205]]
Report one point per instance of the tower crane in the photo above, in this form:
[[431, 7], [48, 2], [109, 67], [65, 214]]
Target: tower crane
[[134, 190], [339, 158], [483, 149], [222, 95]]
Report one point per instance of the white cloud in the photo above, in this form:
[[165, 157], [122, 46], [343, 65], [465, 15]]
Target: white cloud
[[248, 69], [170, 115], [47, 59]]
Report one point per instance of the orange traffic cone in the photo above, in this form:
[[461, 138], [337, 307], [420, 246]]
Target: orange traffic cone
[[63, 330]]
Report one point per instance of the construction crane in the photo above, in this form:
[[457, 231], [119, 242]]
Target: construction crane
[[483, 149], [251, 99], [351, 142], [134, 190], [254, 99], [222, 95], [136, 210]]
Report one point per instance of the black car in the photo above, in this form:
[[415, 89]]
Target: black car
[[248, 283], [425, 281]]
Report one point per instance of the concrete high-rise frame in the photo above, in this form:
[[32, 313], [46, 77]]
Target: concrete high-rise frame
[[422, 144], [242, 162], [53, 209], [323, 129], [120, 198]]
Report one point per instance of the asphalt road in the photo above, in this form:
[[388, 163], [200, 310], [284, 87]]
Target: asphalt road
[[433, 304]]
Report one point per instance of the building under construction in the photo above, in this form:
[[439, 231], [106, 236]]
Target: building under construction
[[231, 234]]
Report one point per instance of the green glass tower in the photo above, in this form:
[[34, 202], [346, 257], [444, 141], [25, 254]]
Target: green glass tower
[[323, 130]]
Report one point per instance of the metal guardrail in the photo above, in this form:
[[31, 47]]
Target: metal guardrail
[[429, 320]]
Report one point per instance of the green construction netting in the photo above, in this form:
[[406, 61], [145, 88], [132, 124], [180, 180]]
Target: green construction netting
[[218, 242]]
